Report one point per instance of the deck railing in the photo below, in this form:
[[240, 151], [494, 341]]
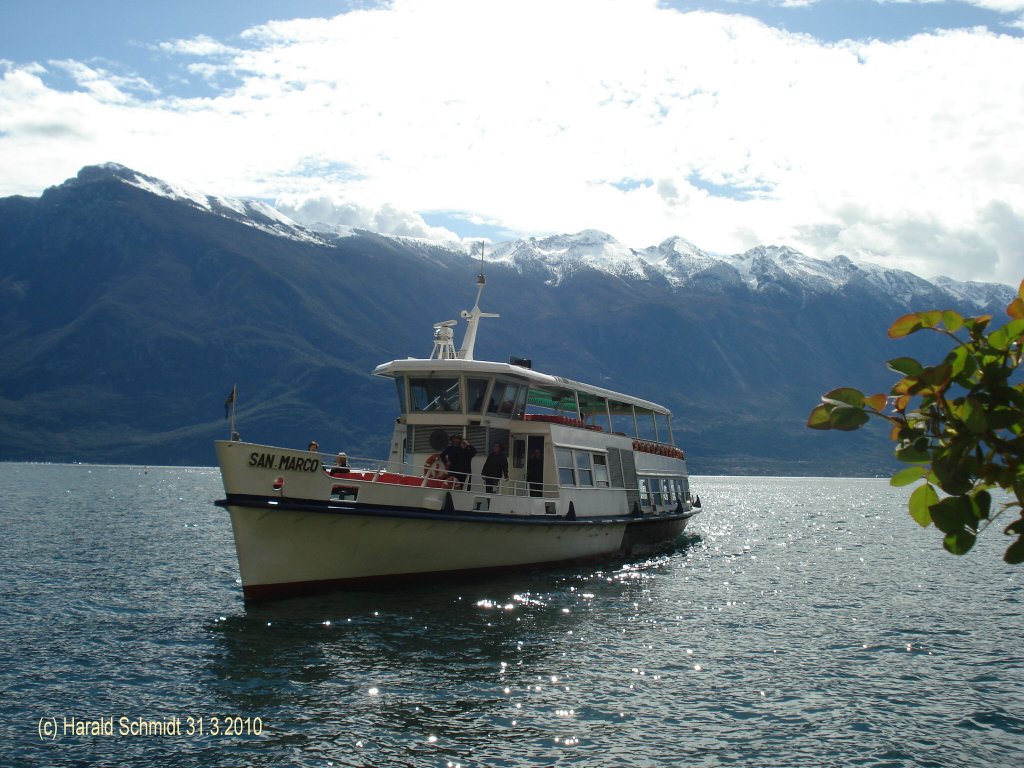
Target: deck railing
[[385, 471]]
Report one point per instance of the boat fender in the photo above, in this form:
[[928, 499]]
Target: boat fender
[[637, 512], [448, 507], [278, 483], [434, 468], [571, 514]]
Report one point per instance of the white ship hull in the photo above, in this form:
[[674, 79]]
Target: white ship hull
[[290, 545]]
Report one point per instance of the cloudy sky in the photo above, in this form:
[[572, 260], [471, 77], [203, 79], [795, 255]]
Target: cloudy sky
[[889, 131]]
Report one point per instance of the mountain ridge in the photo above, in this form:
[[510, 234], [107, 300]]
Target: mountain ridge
[[129, 313], [675, 259]]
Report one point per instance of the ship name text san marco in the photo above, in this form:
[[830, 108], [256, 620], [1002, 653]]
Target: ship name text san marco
[[492, 466]]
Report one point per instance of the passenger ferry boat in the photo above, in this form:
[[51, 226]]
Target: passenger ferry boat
[[591, 474]]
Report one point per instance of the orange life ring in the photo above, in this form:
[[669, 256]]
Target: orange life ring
[[434, 468]]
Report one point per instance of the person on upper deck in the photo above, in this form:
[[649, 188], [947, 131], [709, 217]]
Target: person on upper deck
[[495, 467]]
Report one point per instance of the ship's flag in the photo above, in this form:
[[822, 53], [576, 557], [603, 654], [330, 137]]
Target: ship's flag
[[230, 401]]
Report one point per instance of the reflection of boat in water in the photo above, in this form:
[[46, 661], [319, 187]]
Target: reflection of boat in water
[[588, 474]]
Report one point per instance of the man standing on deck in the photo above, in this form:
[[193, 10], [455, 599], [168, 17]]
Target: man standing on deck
[[462, 465], [495, 468]]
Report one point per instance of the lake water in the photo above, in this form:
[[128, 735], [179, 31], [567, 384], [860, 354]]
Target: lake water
[[803, 622]]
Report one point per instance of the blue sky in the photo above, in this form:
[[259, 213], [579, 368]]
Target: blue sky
[[886, 131]]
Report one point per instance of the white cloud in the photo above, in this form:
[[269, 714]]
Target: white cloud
[[201, 45], [337, 212], [559, 116]]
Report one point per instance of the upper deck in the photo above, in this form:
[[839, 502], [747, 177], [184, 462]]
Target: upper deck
[[474, 389]]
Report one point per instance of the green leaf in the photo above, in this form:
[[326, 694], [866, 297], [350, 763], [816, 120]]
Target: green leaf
[[959, 362], [982, 505], [1015, 552], [1000, 339], [914, 452], [1016, 308], [972, 414], [876, 402], [953, 321], [905, 325], [959, 542], [952, 514], [920, 501], [847, 418], [938, 375], [819, 418], [845, 396], [908, 366], [907, 476]]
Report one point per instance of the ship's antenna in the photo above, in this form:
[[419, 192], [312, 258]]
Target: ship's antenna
[[473, 316]]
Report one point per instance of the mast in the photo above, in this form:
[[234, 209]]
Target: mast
[[472, 317]]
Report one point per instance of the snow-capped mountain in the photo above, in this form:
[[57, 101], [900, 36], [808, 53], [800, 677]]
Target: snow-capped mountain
[[253, 213], [558, 258], [762, 269], [563, 255]]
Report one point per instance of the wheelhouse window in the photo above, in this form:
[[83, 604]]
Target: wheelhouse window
[[476, 391], [507, 399], [434, 394], [403, 406]]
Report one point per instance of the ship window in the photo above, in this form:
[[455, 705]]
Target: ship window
[[586, 474], [400, 384], [555, 399], [645, 429], [434, 394], [662, 426], [518, 453], [622, 418], [476, 391], [656, 492], [566, 468], [645, 499], [506, 400], [343, 493], [600, 470], [670, 491]]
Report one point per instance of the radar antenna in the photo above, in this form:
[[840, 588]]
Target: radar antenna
[[444, 341]]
